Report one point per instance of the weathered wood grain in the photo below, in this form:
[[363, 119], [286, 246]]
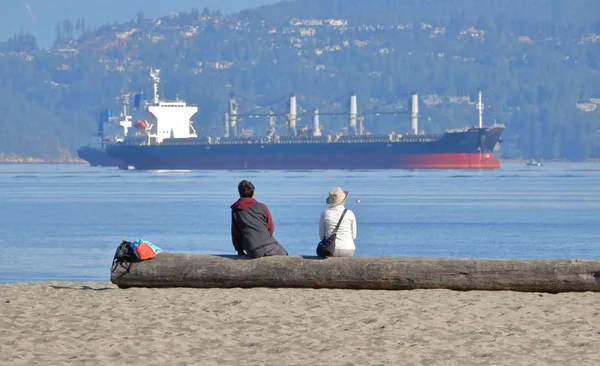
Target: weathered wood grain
[[377, 273]]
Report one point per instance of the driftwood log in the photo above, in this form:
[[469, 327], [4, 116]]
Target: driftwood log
[[377, 273]]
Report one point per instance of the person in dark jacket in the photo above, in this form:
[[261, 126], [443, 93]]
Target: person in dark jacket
[[252, 225]]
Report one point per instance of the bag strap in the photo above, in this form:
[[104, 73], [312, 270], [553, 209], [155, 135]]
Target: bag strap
[[339, 222]]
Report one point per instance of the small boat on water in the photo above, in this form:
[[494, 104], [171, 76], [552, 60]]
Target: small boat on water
[[534, 162]]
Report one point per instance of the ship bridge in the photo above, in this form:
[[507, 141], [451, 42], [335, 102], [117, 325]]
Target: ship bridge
[[169, 119], [172, 119]]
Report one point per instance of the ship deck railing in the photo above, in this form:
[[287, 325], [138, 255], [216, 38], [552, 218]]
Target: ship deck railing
[[302, 140]]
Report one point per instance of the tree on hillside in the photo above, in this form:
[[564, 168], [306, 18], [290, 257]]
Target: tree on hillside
[[195, 14], [22, 43], [140, 16], [67, 30]]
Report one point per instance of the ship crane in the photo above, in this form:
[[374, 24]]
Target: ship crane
[[258, 115], [238, 117], [294, 115], [413, 112], [379, 113], [383, 113], [480, 110], [232, 117], [355, 120]]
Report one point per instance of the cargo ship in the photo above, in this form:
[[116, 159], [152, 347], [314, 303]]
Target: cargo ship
[[173, 144], [111, 129]]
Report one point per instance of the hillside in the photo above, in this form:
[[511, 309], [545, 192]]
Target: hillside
[[40, 17], [538, 13], [536, 63]]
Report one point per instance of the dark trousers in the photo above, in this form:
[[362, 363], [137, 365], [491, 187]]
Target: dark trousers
[[268, 250]]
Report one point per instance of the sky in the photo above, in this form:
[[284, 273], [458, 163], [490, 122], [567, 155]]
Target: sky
[[40, 16]]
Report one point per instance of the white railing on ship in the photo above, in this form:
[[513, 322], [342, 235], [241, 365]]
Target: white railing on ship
[[335, 140]]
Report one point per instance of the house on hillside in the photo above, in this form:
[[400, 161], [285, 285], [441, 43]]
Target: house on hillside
[[68, 52], [587, 107], [336, 23], [525, 39], [472, 32]]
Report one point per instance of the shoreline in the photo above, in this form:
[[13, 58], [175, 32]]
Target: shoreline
[[43, 163], [32, 161], [98, 323]]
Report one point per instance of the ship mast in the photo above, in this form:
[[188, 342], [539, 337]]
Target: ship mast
[[124, 105], [155, 75], [414, 114], [126, 121], [226, 124], [293, 116], [316, 125], [480, 109], [233, 115], [353, 115], [272, 121]]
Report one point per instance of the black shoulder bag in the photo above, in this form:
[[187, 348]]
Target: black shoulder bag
[[326, 247]]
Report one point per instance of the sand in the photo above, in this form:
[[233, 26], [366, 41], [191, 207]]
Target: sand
[[58, 323]]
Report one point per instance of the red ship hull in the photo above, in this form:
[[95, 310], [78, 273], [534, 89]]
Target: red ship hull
[[450, 161]]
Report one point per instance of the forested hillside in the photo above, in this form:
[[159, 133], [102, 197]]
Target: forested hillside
[[535, 61], [40, 16]]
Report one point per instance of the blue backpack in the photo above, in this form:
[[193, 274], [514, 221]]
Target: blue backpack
[[132, 252]]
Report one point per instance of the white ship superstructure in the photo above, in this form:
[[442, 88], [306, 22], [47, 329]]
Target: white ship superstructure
[[168, 119], [112, 128], [155, 121]]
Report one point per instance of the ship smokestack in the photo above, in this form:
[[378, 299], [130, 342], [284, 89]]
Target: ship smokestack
[[226, 124], [293, 114], [233, 111], [480, 109], [414, 114], [316, 126], [353, 114]]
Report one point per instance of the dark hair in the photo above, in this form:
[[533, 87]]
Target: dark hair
[[246, 189]]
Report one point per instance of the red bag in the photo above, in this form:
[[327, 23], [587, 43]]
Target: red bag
[[144, 249]]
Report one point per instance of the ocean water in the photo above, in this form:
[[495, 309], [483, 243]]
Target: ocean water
[[64, 222]]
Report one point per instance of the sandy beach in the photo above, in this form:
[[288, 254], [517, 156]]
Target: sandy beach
[[96, 323]]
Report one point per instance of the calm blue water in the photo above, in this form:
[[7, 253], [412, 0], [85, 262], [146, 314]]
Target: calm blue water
[[63, 222]]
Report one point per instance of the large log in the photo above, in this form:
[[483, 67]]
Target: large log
[[378, 273]]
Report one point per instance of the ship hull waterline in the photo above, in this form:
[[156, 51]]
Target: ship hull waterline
[[97, 157]]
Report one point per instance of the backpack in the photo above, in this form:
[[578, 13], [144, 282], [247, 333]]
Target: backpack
[[125, 253], [132, 252]]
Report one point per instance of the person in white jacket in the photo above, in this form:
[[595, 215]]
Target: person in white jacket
[[346, 234]]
